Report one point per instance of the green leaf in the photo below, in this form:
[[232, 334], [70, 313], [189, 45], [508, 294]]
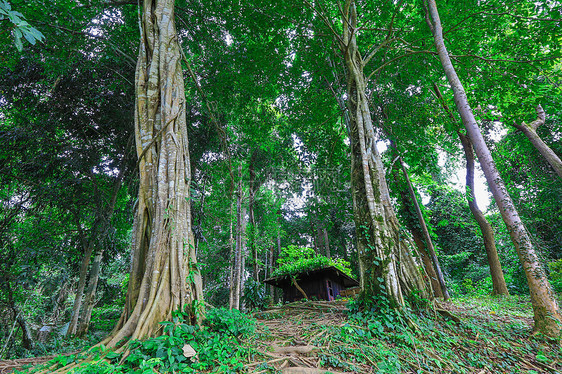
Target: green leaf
[[112, 355], [30, 38]]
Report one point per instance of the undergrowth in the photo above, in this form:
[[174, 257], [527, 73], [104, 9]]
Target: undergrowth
[[493, 336], [223, 344]]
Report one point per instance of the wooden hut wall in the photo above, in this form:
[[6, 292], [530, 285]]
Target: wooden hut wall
[[336, 287], [315, 288]]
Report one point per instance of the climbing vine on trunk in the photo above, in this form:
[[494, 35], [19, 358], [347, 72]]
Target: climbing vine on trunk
[[164, 276], [385, 253]]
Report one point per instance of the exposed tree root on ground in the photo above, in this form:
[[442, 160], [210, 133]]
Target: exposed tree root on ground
[[294, 330], [8, 366], [302, 340], [317, 337]]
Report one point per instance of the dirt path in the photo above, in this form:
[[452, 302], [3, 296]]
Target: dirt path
[[294, 328]]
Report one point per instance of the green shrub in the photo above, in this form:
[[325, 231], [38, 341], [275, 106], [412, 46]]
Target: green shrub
[[294, 260], [232, 322], [255, 296], [218, 345]]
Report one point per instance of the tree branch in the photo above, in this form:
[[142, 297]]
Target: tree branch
[[110, 3], [523, 17], [507, 60], [454, 27], [327, 22], [541, 118], [83, 33], [398, 58]]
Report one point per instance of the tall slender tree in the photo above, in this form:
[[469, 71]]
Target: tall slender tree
[[499, 287], [545, 307], [530, 131]]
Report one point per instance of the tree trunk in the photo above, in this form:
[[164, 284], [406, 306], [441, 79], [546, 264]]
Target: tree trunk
[[413, 226], [270, 266], [276, 291], [164, 277], [427, 263], [232, 257], [26, 339], [90, 296], [326, 243], [545, 307], [316, 238], [237, 271], [243, 250], [251, 203], [530, 131], [386, 263], [498, 280], [425, 232], [88, 249]]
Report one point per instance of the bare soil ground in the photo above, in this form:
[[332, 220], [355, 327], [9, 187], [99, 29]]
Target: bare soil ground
[[293, 329]]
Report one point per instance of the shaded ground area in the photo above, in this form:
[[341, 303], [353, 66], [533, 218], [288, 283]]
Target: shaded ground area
[[479, 336], [293, 333], [490, 336]]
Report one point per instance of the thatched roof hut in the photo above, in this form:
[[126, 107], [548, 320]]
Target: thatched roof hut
[[321, 284]]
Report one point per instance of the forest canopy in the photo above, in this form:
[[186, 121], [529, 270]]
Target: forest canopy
[[162, 157]]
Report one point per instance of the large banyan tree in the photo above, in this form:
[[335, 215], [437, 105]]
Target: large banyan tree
[[385, 254], [163, 276]]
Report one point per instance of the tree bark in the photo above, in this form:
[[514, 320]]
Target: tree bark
[[81, 285], [90, 296], [244, 249], [26, 339], [499, 287], [278, 254], [251, 203], [386, 263], [545, 307], [299, 288], [232, 257], [164, 277], [237, 271], [316, 240], [270, 270], [530, 131], [415, 227], [326, 243]]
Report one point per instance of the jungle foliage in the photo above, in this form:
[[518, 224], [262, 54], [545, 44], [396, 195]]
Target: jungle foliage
[[271, 177]]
